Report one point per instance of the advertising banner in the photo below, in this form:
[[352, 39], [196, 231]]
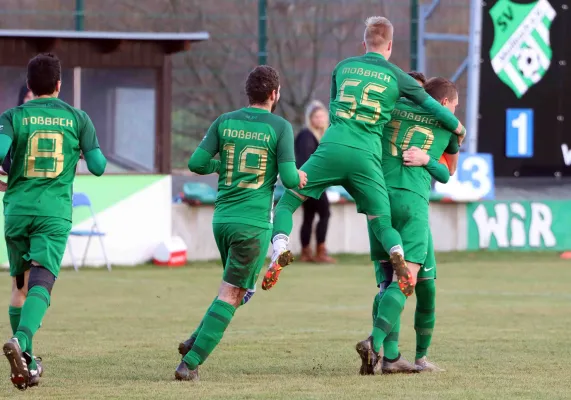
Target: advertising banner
[[519, 225]]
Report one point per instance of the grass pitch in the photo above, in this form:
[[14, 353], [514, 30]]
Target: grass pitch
[[502, 332]]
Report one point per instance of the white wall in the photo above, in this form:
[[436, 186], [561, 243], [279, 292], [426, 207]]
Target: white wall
[[347, 229], [134, 227]]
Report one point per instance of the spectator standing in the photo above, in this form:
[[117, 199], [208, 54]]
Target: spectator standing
[[316, 122]]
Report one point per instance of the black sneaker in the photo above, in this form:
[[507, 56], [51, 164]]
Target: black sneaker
[[369, 359], [19, 369], [184, 347], [183, 373], [35, 374]]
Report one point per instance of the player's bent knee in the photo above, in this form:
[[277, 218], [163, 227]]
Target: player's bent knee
[[231, 294], [293, 199], [40, 276], [290, 201], [428, 287], [298, 195], [414, 269]]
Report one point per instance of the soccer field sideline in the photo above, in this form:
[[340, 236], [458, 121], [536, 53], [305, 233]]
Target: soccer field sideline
[[114, 335]]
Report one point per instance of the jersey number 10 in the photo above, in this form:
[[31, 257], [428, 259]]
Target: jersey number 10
[[365, 101], [44, 155], [407, 137], [259, 170]]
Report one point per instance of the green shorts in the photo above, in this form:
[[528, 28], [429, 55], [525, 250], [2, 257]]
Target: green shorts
[[358, 171], [409, 216], [427, 271], [41, 239], [243, 250]]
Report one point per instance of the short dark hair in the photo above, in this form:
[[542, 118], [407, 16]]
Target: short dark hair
[[440, 88], [44, 72], [419, 76], [260, 84]]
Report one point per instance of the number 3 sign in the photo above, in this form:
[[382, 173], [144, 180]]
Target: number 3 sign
[[473, 180]]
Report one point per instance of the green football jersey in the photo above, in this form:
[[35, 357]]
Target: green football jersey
[[251, 142], [412, 126], [47, 136], [364, 91]]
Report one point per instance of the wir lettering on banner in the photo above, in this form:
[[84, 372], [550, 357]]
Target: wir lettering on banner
[[520, 225]]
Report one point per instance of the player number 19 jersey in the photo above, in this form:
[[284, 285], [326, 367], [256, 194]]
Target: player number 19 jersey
[[251, 143]]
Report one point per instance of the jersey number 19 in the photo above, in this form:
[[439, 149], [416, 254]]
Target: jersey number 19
[[259, 170]]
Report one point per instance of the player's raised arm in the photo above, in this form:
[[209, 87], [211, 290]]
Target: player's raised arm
[[409, 88], [6, 134], [94, 158], [201, 161], [286, 158]]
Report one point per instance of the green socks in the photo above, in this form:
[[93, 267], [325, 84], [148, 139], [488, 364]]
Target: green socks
[[385, 233], [389, 311], [195, 333], [424, 317], [283, 214], [14, 314], [33, 312], [391, 342], [214, 324]]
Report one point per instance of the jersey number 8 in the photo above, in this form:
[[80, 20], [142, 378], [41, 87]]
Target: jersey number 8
[[259, 170], [365, 101], [44, 155]]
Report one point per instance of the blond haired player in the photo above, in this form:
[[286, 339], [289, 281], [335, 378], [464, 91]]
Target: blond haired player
[[364, 91]]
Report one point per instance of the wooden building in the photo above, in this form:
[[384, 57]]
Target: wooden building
[[121, 79]]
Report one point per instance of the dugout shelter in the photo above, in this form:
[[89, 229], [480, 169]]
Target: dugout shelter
[[122, 80]]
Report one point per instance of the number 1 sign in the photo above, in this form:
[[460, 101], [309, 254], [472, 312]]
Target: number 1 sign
[[519, 133]]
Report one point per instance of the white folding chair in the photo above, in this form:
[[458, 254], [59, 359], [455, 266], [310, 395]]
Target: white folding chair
[[81, 200]]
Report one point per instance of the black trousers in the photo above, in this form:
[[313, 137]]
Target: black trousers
[[310, 208]]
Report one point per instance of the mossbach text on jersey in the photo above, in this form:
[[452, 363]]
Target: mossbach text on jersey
[[366, 72], [46, 121], [242, 134], [415, 117]]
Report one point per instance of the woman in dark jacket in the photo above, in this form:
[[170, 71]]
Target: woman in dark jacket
[[316, 122], [24, 96]]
